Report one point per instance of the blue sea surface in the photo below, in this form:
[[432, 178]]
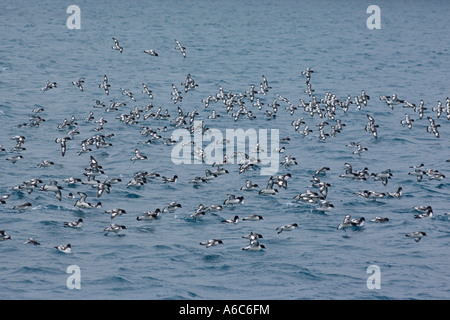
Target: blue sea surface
[[229, 44]]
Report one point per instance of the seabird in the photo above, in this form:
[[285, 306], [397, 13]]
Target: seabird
[[168, 179], [268, 191], [359, 149], [418, 173], [428, 213], [407, 121], [396, 194], [105, 85], [3, 198], [74, 224], [31, 240], [14, 159], [128, 93], [199, 213], [81, 203], [116, 45], [181, 48], [115, 212], [151, 52], [287, 227], [253, 217], [171, 207], [380, 219], [49, 85], [62, 142], [79, 83], [65, 249], [53, 187], [232, 200], [324, 206], [149, 215], [4, 236], [231, 221], [249, 186], [417, 235], [116, 228], [23, 206], [138, 156], [45, 163], [254, 243], [349, 222], [214, 207], [211, 243], [147, 91], [252, 236]]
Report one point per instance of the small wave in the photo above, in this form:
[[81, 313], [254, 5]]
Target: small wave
[[133, 195], [212, 258], [162, 247]]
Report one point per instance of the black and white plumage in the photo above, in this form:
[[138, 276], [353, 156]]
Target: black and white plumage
[[149, 215], [426, 213], [181, 48], [287, 227], [53, 187], [433, 127], [359, 149], [138, 156], [171, 207], [4, 235], [253, 217], [252, 236], [231, 221], [105, 85], [151, 52], [49, 85], [370, 194], [4, 197], [232, 200], [63, 144], [379, 219], [396, 194], [211, 243], [417, 235], [418, 172], [324, 206], [23, 206], [249, 186], [116, 212], [407, 121], [254, 244], [116, 45], [125, 92], [213, 208], [147, 90], [82, 203], [79, 83], [14, 159], [102, 187], [74, 224], [382, 176], [197, 214], [371, 126], [169, 179], [64, 248], [115, 228], [45, 163], [349, 222], [32, 241]]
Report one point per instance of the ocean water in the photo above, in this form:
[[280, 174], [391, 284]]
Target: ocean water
[[229, 44]]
